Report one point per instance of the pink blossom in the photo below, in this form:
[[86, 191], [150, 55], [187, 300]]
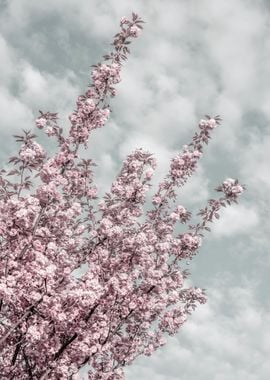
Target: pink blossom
[[134, 31], [212, 123], [38, 245], [48, 193], [238, 189], [156, 200], [41, 122], [175, 216], [130, 291], [13, 232], [33, 333], [191, 241], [149, 173], [123, 21], [50, 131]]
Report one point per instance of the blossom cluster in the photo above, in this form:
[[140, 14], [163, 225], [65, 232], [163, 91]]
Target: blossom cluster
[[184, 164], [131, 289], [231, 188]]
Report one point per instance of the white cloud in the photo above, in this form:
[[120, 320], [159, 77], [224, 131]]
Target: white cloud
[[7, 64], [254, 161], [235, 220], [48, 92], [223, 340], [15, 115]]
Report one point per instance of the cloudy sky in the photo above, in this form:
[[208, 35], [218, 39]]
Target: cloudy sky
[[194, 57]]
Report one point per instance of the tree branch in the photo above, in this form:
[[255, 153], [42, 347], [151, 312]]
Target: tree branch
[[24, 316]]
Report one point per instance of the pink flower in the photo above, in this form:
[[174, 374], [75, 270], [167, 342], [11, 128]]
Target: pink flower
[[174, 216], [13, 232], [229, 182], [92, 193], [48, 193], [50, 131], [134, 31], [33, 333], [149, 173], [52, 247], [212, 123], [41, 122], [197, 154], [238, 189], [123, 21], [181, 210], [157, 200], [32, 154], [38, 245]]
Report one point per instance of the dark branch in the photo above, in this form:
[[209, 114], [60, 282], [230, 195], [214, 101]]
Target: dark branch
[[17, 350], [64, 346], [28, 367]]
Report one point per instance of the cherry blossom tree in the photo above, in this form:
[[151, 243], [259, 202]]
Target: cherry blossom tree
[[133, 292]]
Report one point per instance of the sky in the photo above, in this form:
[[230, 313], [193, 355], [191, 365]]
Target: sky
[[193, 58]]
